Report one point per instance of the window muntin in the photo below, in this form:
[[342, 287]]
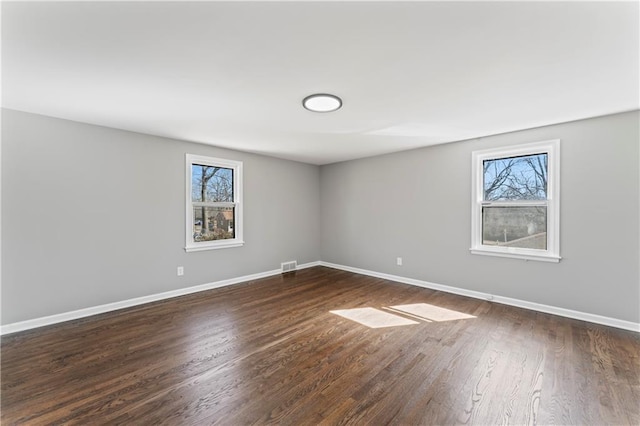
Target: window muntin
[[214, 203], [515, 208]]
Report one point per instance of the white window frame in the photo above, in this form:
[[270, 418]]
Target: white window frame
[[236, 166], [552, 149]]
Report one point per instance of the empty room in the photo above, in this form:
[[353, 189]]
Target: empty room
[[320, 212]]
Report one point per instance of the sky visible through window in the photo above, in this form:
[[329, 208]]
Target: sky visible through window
[[211, 184], [516, 178], [513, 180]]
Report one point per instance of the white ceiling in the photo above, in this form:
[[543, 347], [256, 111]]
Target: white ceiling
[[233, 74]]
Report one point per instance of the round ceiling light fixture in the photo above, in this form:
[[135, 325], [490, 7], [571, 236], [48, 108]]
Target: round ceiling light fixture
[[322, 102]]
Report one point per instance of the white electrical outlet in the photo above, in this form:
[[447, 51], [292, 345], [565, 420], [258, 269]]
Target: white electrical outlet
[[180, 271], [399, 261]]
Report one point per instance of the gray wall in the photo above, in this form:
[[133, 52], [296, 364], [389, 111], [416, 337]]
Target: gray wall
[[92, 215], [416, 205]]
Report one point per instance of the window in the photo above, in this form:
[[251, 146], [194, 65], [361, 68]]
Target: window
[[214, 203], [515, 205]]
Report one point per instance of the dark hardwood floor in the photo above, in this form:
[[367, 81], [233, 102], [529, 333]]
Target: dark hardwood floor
[[271, 352]]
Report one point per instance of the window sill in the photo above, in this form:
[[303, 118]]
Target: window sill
[[517, 255], [217, 245]]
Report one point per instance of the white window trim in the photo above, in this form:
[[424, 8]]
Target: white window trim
[[236, 166], [552, 149]]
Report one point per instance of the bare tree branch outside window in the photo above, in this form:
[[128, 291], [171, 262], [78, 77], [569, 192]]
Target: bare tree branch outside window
[[515, 179], [212, 184]]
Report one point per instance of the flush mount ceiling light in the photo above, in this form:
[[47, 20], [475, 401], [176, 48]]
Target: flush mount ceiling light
[[322, 102]]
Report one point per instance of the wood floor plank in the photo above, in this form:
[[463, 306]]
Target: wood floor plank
[[270, 351]]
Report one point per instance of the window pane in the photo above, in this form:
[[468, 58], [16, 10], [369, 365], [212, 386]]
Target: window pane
[[211, 184], [515, 178], [524, 227], [213, 223]]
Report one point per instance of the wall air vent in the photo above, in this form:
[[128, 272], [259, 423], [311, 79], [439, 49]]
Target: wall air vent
[[289, 266]]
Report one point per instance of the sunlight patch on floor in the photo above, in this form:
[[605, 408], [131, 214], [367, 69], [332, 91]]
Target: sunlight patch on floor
[[373, 318], [429, 312]]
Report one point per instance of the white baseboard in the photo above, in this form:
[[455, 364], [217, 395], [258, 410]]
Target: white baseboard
[[568, 313], [109, 307]]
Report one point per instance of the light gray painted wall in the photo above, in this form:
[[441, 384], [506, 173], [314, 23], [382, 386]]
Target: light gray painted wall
[[416, 204], [65, 249], [93, 215]]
